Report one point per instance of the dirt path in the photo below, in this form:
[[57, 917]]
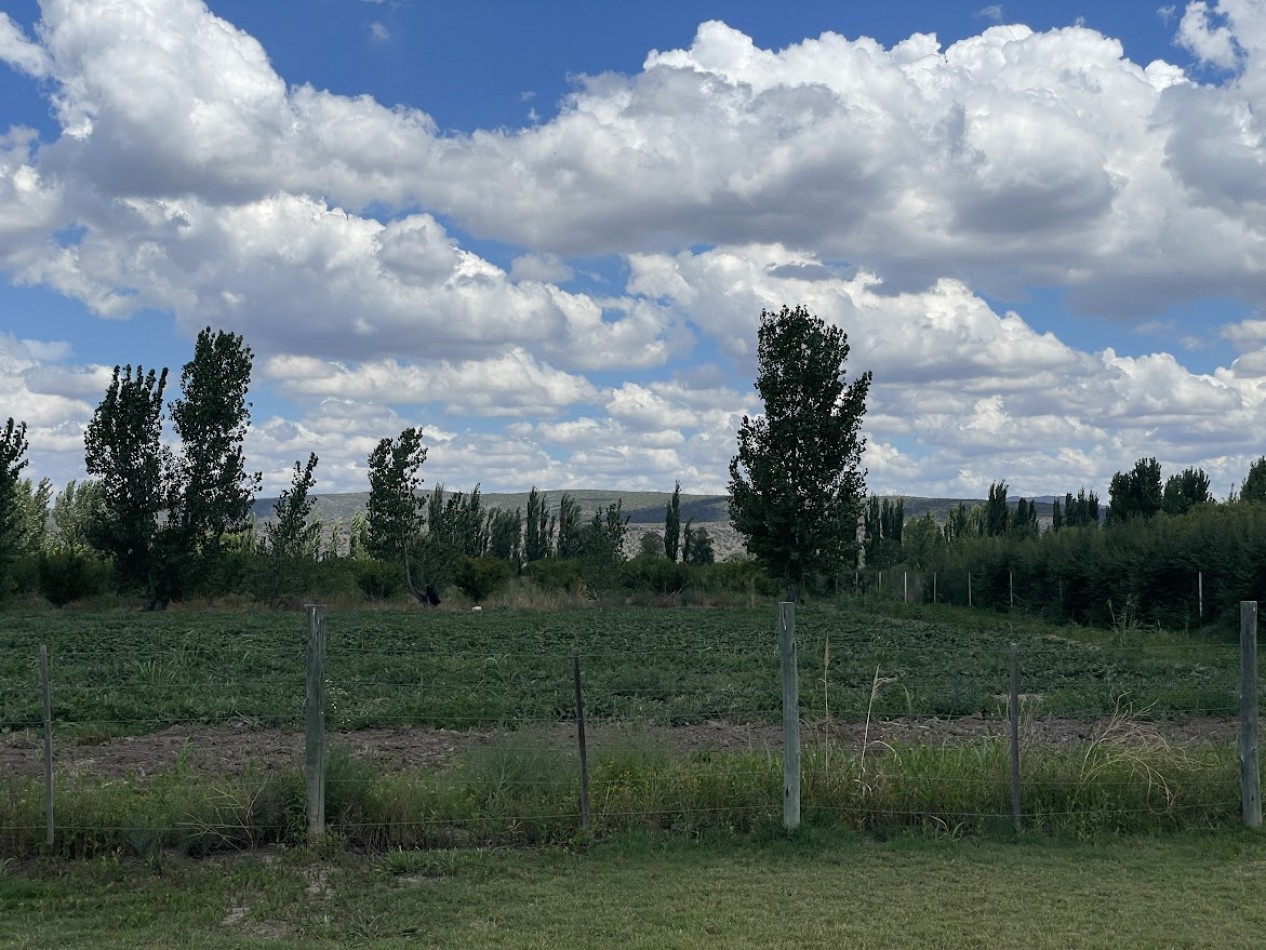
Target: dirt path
[[233, 749]]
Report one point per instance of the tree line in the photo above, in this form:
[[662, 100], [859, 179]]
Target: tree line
[[163, 521]]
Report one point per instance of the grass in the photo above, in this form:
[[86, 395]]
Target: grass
[[123, 673], [523, 790], [647, 890]]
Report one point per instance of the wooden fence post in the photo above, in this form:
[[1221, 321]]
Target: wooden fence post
[[905, 587], [969, 588], [934, 587], [1010, 588], [1200, 595], [46, 689], [314, 732], [580, 738], [790, 716], [1014, 712], [1250, 776]]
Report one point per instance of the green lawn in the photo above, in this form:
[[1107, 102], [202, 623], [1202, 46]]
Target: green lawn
[[657, 892]]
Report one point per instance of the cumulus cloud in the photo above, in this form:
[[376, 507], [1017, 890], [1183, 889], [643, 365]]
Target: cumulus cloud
[[886, 188], [1209, 43]]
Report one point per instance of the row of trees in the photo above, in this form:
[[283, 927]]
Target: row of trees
[[172, 521]]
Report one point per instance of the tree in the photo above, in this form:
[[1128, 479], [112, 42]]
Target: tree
[[294, 536], [571, 542], [1254, 487], [123, 447], [1024, 521], [292, 532], [214, 492], [883, 525], [1184, 491], [1082, 511], [698, 545], [1137, 493], [394, 513], [921, 539], [13, 446], [796, 483], [651, 545], [74, 510], [538, 534], [997, 514], [672, 524], [505, 534]]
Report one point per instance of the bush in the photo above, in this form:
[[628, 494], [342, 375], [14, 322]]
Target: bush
[[567, 574], [479, 577], [66, 576]]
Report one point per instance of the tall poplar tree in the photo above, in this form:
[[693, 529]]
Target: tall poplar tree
[[796, 484]]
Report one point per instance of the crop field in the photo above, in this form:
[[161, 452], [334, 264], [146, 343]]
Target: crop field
[[124, 673], [185, 730]]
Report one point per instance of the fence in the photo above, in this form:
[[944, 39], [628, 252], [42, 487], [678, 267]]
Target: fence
[[444, 728], [1191, 598]]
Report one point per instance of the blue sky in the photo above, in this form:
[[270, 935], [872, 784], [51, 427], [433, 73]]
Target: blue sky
[[545, 232]]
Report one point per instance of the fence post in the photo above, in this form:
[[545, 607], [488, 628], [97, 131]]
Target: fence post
[[790, 716], [1014, 713], [314, 732], [580, 738], [1010, 588], [969, 588], [905, 587], [1250, 776], [1200, 594], [48, 746], [934, 587]]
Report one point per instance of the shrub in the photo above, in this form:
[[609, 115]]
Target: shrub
[[479, 577]]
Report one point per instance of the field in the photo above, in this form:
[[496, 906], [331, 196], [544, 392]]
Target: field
[[451, 794], [123, 673]]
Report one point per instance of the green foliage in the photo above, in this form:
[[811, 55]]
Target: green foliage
[[672, 524], [922, 540], [883, 525], [1137, 493], [394, 511], [505, 534], [1080, 512], [555, 574], [538, 536], [1186, 490], [571, 542], [13, 447], [651, 545], [698, 547], [480, 577], [123, 448], [1254, 487], [213, 492], [997, 516], [70, 574], [796, 483], [292, 539], [75, 508]]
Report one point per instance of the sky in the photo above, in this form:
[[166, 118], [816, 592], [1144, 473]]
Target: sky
[[545, 233]]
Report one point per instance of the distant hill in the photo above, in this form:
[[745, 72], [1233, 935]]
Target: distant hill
[[642, 508]]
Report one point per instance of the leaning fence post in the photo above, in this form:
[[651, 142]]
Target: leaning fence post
[[314, 733], [580, 738], [1014, 713], [1250, 776], [790, 716], [48, 746]]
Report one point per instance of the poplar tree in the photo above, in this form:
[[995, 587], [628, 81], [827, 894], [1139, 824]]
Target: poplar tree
[[796, 484]]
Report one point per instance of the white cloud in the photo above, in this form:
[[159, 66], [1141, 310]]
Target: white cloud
[[1209, 43], [378, 32], [19, 52]]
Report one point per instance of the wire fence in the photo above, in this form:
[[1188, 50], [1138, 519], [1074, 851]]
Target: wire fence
[[423, 730]]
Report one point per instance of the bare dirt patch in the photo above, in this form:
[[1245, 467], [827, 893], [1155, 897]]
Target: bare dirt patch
[[235, 749]]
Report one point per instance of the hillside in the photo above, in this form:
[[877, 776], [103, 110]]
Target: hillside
[[642, 508]]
